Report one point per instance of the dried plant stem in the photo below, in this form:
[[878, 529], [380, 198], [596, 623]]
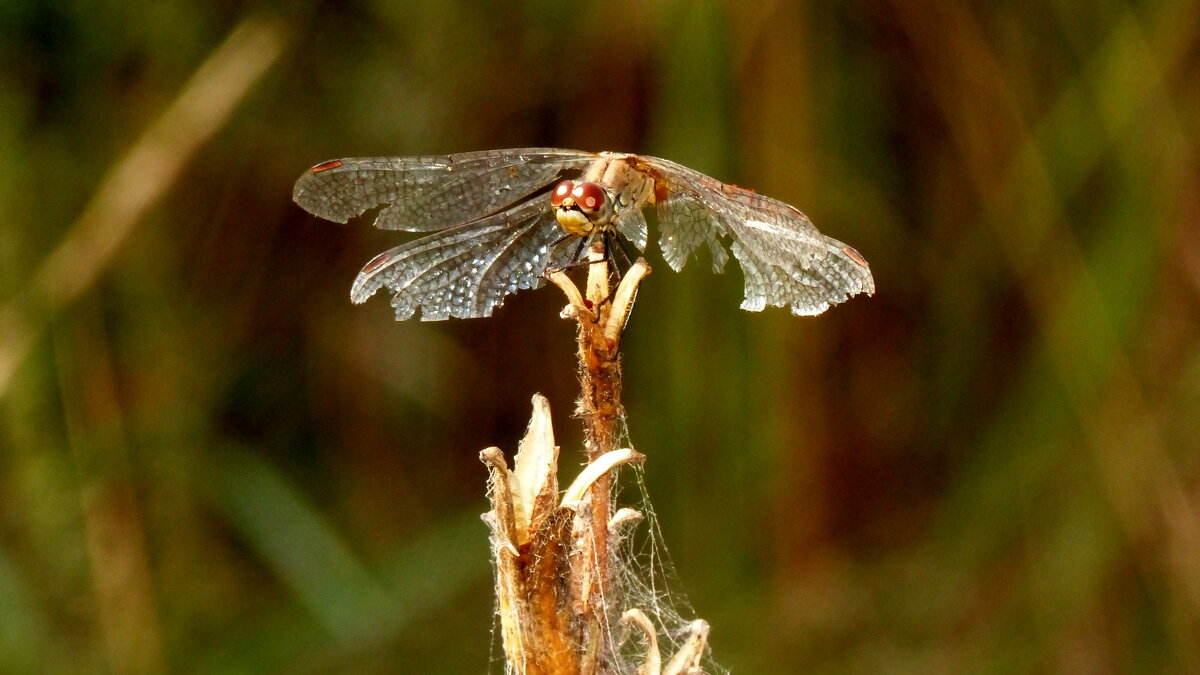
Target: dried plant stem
[[552, 554], [599, 407]]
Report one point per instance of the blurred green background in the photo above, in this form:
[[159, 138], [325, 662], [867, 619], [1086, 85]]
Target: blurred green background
[[212, 462]]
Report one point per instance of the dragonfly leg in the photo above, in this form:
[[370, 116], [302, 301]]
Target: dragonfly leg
[[614, 250], [576, 259], [554, 244]]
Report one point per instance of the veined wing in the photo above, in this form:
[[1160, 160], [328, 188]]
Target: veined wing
[[424, 194], [465, 271], [786, 261]]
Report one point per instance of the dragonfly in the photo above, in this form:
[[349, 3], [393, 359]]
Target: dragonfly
[[497, 221]]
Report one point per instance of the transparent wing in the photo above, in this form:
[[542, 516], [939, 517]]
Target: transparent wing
[[786, 261], [631, 223], [465, 271], [423, 194]]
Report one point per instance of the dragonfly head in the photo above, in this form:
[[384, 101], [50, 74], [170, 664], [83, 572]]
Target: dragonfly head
[[581, 207]]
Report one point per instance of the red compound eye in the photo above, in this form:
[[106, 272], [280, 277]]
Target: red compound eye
[[561, 191], [589, 196]]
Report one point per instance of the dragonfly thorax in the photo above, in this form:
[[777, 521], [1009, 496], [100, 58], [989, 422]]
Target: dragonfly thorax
[[581, 207]]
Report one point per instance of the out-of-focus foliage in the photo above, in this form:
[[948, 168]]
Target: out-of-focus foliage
[[212, 462]]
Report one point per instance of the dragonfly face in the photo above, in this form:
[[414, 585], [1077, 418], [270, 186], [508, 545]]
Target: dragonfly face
[[581, 207], [491, 230]]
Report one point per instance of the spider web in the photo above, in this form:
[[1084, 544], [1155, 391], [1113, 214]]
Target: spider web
[[642, 576]]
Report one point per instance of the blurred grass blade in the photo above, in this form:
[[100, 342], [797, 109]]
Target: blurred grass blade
[[303, 549], [356, 605], [136, 182], [24, 632]]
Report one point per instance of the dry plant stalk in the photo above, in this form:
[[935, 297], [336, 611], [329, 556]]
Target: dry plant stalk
[[552, 555]]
